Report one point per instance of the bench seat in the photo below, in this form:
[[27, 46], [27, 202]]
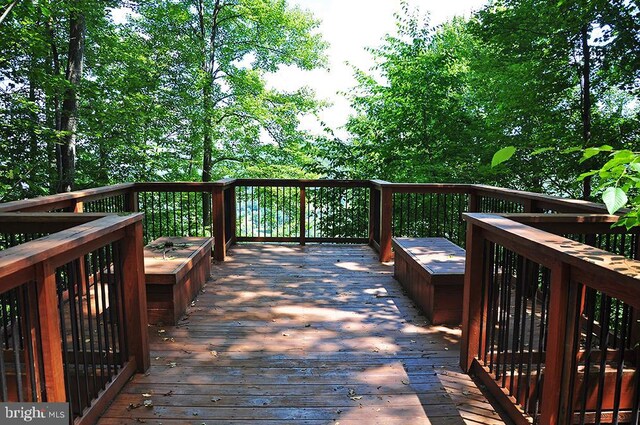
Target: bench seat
[[432, 272], [175, 270]]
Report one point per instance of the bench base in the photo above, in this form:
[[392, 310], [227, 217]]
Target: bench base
[[436, 289], [174, 276]]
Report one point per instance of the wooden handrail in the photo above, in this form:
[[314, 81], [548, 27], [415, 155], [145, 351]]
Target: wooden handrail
[[34, 266], [61, 247], [65, 200], [612, 274], [571, 265]]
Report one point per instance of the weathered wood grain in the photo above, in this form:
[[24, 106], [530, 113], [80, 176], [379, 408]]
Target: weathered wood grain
[[302, 335]]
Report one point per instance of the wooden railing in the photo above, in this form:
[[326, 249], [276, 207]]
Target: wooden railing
[[73, 324], [544, 292], [339, 211], [551, 323]]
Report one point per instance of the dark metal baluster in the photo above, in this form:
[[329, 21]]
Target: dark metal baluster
[[15, 339], [75, 335], [97, 284], [590, 311], [542, 343], [620, 368], [523, 320], [77, 282], [75, 404], [119, 302], [153, 216], [105, 306], [34, 361], [112, 308], [87, 278], [507, 331], [495, 300], [533, 273], [605, 317]]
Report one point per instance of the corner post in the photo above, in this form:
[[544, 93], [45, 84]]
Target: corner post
[[374, 210], [472, 296], [217, 208], [230, 204], [135, 295], [474, 202], [50, 331], [386, 217], [131, 200], [562, 305]]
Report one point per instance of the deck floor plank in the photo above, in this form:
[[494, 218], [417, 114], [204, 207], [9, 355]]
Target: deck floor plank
[[320, 334]]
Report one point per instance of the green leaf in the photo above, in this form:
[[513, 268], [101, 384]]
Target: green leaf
[[589, 153], [571, 150], [614, 198], [541, 150], [502, 155], [635, 166], [587, 174]]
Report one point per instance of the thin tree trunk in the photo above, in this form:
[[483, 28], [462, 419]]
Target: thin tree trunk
[[586, 103], [69, 122], [208, 66]]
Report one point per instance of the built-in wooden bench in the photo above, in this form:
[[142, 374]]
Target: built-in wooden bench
[[175, 270], [432, 272]]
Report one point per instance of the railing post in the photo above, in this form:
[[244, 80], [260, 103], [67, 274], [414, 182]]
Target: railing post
[[303, 214], [386, 217], [135, 295], [217, 208], [50, 331], [472, 296], [131, 201], [562, 306], [230, 212], [75, 206], [529, 206], [474, 202], [374, 210]]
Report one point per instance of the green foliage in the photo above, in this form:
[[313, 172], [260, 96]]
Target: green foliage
[[505, 154], [159, 91], [619, 181]]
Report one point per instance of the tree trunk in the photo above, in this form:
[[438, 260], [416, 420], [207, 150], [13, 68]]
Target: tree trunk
[[69, 119], [586, 103], [207, 145]]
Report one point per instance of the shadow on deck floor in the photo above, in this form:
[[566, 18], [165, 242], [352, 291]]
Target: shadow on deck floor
[[320, 334]]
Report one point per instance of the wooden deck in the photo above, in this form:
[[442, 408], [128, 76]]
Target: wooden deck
[[320, 334]]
